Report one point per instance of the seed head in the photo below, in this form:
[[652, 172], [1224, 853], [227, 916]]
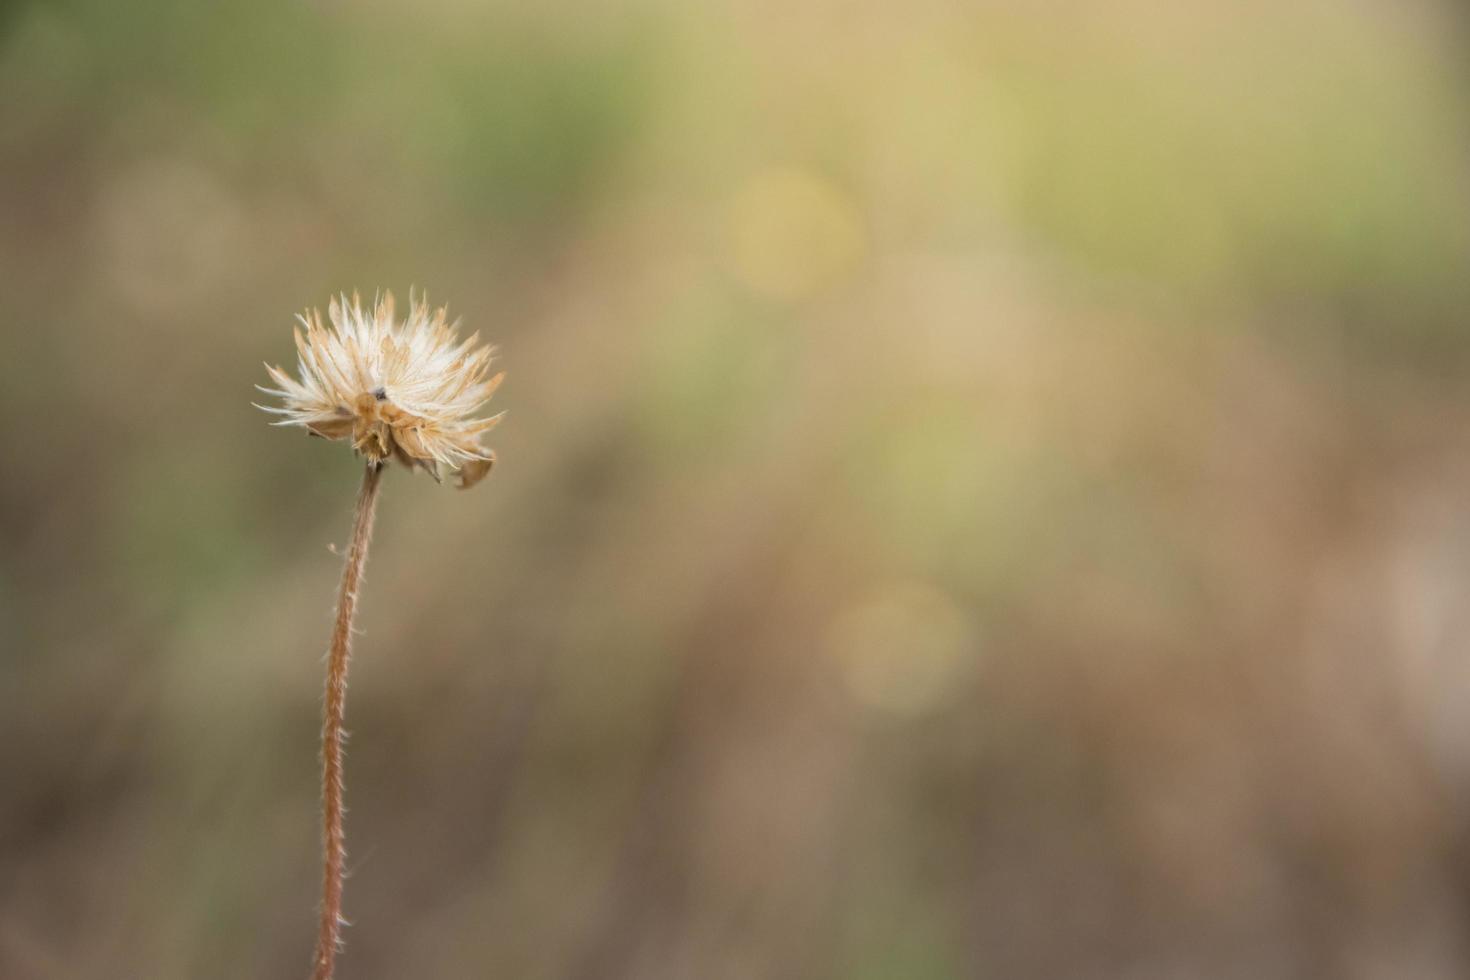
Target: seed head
[[405, 390]]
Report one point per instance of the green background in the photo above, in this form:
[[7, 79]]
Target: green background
[[985, 493]]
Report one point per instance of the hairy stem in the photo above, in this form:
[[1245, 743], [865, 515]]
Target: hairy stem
[[329, 936]]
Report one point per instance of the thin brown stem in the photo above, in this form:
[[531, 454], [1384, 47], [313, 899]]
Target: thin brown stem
[[329, 935]]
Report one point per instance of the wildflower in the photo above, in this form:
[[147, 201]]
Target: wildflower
[[406, 389]]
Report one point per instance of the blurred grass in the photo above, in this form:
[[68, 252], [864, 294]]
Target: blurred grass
[[982, 494]]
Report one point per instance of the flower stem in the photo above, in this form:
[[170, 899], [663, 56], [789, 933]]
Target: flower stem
[[329, 935]]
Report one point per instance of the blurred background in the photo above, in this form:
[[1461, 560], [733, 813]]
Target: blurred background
[[986, 489]]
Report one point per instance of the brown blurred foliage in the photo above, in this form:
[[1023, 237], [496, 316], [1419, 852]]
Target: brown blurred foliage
[[986, 490]]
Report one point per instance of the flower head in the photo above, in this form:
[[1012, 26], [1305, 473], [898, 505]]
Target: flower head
[[406, 390]]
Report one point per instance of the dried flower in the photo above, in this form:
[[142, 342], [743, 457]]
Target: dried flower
[[406, 390]]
